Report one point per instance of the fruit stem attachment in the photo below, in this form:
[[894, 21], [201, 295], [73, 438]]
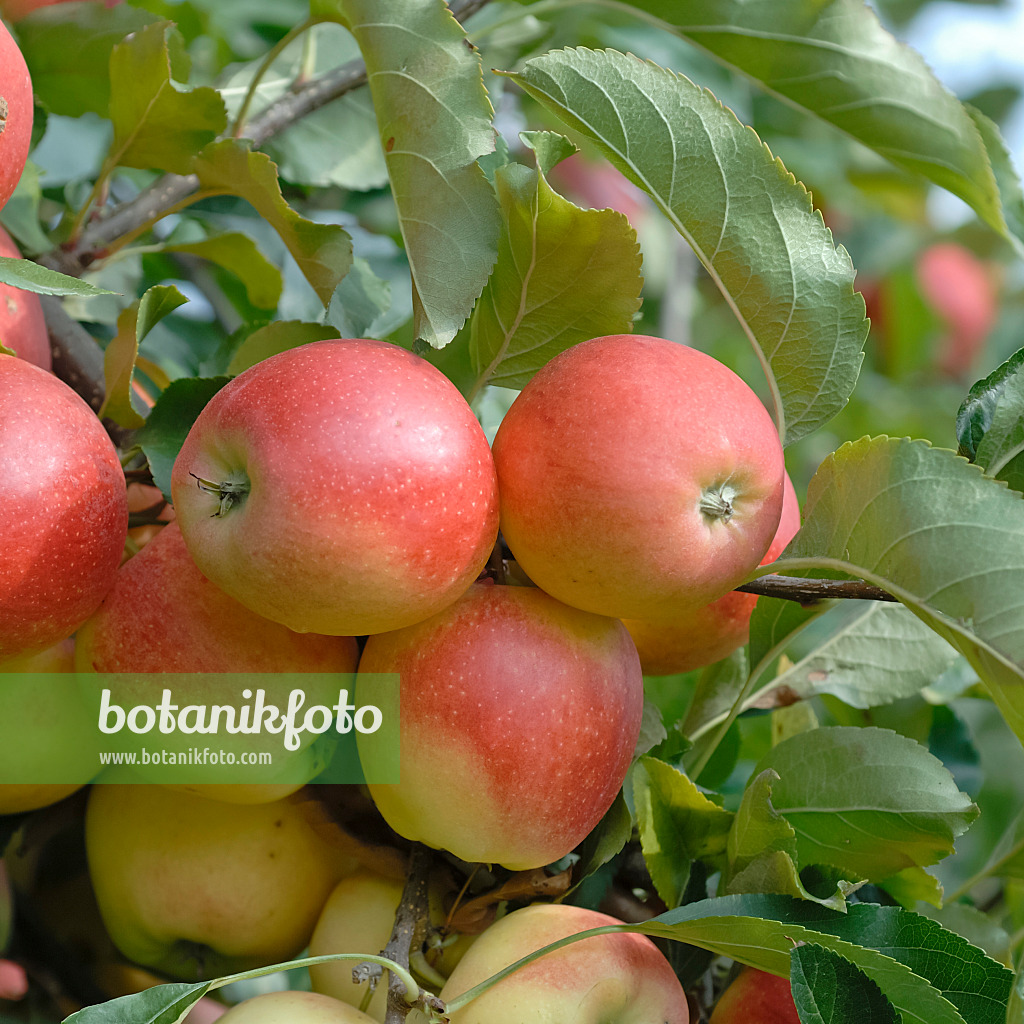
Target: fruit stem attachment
[[228, 493]]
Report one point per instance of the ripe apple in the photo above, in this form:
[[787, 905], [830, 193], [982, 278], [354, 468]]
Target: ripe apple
[[342, 487], [294, 1007], [358, 917], [15, 114], [756, 997], [615, 978], [63, 511], [713, 632], [638, 478], [45, 734], [163, 615], [519, 719], [22, 327], [198, 888]]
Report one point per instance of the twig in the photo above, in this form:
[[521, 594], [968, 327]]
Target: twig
[[795, 588]]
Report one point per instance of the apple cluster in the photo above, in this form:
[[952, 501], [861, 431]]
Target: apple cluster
[[335, 510]]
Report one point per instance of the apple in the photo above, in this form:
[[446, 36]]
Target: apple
[[358, 917], [519, 717], [756, 997], [199, 888], [614, 978], [15, 10], [63, 510], [22, 327], [46, 734], [15, 114], [713, 632], [638, 478], [294, 1007], [342, 487]]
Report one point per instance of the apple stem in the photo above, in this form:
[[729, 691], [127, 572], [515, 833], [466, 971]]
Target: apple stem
[[715, 505], [229, 492]]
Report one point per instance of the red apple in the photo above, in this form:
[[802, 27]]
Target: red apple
[[614, 978], [15, 114], [22, 327], [638, 478], [342, 487], [756, 997], [519, 716], [63, 510], [713, 632]]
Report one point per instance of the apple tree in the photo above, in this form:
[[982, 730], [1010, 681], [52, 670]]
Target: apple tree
[[824, 777]]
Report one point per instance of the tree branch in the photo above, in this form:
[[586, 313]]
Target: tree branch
[[795, 588]]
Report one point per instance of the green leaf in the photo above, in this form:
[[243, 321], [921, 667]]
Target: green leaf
[[563, 274], [607, 840], [835, 788], [322, 251], [133, 325], [932, 530], [162, 1004], [155, 124], [875, 654], [749, 222], [835, 60], [6, 908], [990, 422], [276, 337], [678, 825], [717, 689], [169, 422], [20, 214], [912, 886], [1009, 183], [68, 49], [34, 278], [239, 254], [358, 301], [1015, 1010], [828, 989], [762, 849], [434, 121]]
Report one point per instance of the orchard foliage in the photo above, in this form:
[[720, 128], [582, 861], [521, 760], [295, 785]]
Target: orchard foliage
[[213, 183]]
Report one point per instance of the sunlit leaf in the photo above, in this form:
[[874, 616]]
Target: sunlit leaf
[[240, 255], [34, 278]]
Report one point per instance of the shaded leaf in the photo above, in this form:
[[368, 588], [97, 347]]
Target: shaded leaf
[[434, 120], [360, 299], [563, 275], [34, 278], [322, 251], [749, 222], [155, 123], [162, 1004], [828, 989], [604, 842], [276, 337], [133, 325], [239, 254]]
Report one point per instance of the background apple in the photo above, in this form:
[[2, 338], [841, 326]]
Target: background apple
[[15, 10], [711, 633], [198, 888], [15, 114], [294, 1008], [615, 978], [358, 489], [63, 510], [519, 719], [756, 997], [22, 327], [638, 478]]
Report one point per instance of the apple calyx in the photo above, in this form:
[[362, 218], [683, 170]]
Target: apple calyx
[[716, 502], [228, 492]]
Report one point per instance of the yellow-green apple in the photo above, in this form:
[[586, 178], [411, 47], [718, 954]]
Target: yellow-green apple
[[519, 716], [341, 487], [756, 997], [197, 888], [612, 978], [638, 478], [63, 510], [162, 615], [15, 114], [294, 1008], [47, 733], [711, 633], [22, 327], [358, 917]]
